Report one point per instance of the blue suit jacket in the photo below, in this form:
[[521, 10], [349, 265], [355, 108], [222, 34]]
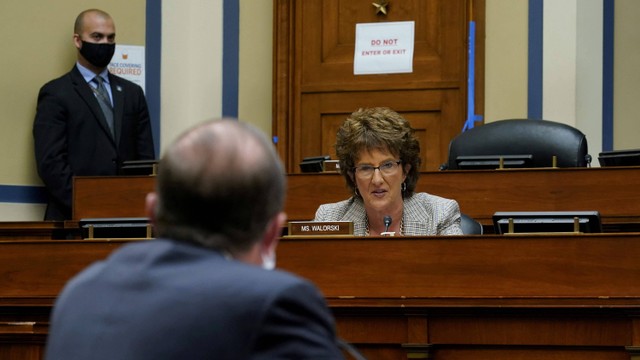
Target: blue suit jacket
[[161, 299]]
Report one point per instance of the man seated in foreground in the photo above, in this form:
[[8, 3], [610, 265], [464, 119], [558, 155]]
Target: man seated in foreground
[[200, 291]]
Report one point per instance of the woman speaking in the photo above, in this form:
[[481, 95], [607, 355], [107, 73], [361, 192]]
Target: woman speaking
[[379, 158]]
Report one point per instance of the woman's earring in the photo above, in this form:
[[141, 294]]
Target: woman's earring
[[356, 192], [404, 187]]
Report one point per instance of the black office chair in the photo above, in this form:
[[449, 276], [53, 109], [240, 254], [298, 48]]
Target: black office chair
[[469, 225], [537, 141]]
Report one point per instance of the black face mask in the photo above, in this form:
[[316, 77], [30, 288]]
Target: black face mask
[[98, 55]]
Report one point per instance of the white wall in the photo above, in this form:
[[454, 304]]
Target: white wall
[[589, 78], [256, 64], [192, 45], [506, 61], [191, 84], [626, 75], [572, 66], [559, 61]]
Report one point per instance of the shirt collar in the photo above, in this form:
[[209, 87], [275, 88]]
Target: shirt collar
[[88, 75]]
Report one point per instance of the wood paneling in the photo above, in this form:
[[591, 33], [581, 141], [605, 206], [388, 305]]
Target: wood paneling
[[490, 297], [493, 297], [543, 270], [35, 271], [612, 191], [45, 230], [315, 88], [425, 109], [110, 196]]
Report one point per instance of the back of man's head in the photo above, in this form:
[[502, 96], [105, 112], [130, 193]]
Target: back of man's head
[[220, 184]]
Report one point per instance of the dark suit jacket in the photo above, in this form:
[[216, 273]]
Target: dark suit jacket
[[72, 138], [160, 299]]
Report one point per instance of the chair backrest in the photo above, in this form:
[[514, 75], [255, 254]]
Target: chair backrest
[[542, 139], [469, 225]]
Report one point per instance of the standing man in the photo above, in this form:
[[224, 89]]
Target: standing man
[[203, 289], [88, 121]]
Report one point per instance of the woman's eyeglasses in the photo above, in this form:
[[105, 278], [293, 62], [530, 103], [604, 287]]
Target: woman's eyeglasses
[[386, 168]]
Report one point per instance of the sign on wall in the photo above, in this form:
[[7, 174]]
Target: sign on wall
[[384, 48], [128, 62]]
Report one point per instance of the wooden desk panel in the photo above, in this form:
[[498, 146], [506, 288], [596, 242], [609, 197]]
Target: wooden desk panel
[[110, 196], [488, 297], [33, 272], [492, 269], [612, 191], [480, 297], [44, 230]]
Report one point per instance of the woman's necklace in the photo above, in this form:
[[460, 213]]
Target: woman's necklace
[[366, 229]]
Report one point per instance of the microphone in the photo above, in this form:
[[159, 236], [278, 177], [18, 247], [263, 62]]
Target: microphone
[[387, 223], [588, 159]]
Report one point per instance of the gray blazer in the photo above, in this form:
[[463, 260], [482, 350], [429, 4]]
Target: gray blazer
[[424, 214]]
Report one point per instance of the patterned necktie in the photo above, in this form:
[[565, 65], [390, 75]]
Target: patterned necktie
[[104, 101]]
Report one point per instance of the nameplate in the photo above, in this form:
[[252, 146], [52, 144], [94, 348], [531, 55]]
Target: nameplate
[[324, 228]]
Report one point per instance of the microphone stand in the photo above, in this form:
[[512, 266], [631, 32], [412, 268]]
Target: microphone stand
[[387, 223]]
